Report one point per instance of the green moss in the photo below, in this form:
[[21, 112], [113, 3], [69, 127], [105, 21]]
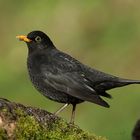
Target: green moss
[[3, 134], [4, 110], [63, 131], [28, 128]]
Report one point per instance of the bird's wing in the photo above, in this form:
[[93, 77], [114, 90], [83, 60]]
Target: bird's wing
[[71, 83], [93, 75], [101, 80]]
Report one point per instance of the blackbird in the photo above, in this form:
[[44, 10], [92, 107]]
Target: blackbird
[[64, 79]]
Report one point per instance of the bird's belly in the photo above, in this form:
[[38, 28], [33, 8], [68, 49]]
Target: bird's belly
[[52, 93]]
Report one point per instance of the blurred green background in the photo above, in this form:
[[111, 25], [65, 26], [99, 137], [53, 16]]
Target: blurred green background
[[102, 34]]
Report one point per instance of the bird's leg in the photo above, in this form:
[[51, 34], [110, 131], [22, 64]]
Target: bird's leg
[[61, 108], [73, 114]]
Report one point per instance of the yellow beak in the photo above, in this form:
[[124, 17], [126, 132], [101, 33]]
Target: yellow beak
[[23, 38]]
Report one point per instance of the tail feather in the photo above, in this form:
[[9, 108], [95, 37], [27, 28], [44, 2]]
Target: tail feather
[[128, 81], [102, 87], [120, 83], [107, 85], [105, 94]]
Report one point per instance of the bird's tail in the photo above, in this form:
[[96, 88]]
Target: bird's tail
[[120, 82], [124, 82], [130, 81]]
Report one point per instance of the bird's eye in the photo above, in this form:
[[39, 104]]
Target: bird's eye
[[38, 39]]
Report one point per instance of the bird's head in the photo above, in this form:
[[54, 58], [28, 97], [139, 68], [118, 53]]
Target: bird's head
[[36, 40]]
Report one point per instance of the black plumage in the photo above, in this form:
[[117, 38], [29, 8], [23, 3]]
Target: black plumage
[[64, 79]]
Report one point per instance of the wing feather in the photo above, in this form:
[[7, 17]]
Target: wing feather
[[74, 85]]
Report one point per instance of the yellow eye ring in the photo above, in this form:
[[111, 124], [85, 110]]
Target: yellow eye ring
[[38, 39]]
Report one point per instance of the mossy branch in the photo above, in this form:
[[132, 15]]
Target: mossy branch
[[29, 123]]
